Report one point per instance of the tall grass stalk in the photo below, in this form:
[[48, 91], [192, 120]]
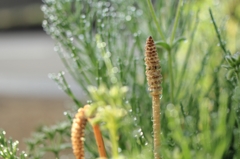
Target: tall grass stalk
[[160, 31]]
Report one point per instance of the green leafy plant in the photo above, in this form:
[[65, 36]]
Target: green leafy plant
[[9, 148]]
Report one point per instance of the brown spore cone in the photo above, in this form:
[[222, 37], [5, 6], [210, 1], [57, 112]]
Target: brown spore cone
[[77, 133], [153, 69]]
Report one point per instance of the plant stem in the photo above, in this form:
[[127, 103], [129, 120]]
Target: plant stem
[[169, 52], [113, 138], [154, 79], [186, 60], [238, 78], [99, 140], [222, 44], [156, 124], [70, 93], [176, 22], [171, 75], [155, 20]]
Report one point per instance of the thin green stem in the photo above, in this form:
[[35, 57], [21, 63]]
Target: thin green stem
[[187, 57], [113, 138], [238, 77], [222, 44], [169, 52], [171, 75], [155, 20], [176, 22], [69, 92]]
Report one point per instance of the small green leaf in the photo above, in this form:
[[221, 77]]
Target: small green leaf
[[178, 41], [163, 45], [230, 74]]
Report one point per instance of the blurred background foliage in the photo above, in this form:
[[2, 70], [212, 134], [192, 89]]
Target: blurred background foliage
[[102, 42]]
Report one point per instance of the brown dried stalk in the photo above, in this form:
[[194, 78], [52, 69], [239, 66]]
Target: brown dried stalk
[[77, 135], [154, 78], [100, 143]]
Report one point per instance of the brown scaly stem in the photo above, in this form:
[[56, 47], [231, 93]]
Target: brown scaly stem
[[77, 134], [154, 78]]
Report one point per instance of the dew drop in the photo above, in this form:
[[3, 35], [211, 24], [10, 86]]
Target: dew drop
[[113, 79], [81, 37], [44, 23], [89, 101], [128, 18], [119, 149], [114, 69], [82, 139], [43, 8], [56, 48], [139, 12], [170, 107], [133, 9], [108, 54], [69, 33]]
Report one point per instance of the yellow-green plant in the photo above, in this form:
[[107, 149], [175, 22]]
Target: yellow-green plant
[[109, 109]]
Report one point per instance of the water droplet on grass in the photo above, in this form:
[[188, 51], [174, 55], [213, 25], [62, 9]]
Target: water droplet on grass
[[128, 18], [56, 48], [119, 149], [89, 101], [114, 70]]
